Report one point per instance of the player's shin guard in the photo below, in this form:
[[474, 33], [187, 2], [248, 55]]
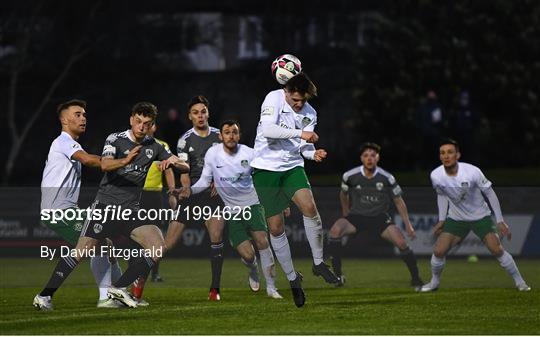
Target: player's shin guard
[[137, 267], [334, 248], [216, 262], [101, 269], [437, 265], [507, 262], [314, 234], [62, 270], [408, 257], [268, 267], [283, 254]]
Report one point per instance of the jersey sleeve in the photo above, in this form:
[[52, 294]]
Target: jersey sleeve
[[344, 183], [69, 147], [181, 148], [436, 185], [270, 108], [394, 188], [109, 149], [481, 181], [163, 153]]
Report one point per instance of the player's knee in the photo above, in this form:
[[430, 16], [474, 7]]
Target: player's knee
[[438, 252], [261, 243], [497, 251], [335, 231], [309, 209]]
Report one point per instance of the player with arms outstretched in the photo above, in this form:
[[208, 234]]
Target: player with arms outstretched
[[367, 192], [461, 188]]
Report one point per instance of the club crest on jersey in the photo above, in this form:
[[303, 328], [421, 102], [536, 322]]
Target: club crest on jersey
[[149, 153], [244, 163], [465, 184], [379, 186], [306, 121], [98, 228]]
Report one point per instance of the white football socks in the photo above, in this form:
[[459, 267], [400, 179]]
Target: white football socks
[[437, 265], [268, 267], [507, 262], [100, 267], [282, 249], [314, 234]]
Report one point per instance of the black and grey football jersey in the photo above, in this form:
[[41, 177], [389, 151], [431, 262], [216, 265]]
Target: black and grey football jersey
[[370, 196], [192, 148], [124, 186]]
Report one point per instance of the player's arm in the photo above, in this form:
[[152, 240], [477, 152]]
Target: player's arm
[[109, 163], [345, 204], [173, 160], [404, 213], [344, 197], [87, 159], [486, 187], [206, 176]]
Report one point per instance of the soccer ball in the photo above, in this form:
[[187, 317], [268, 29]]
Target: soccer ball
[[286, 66]]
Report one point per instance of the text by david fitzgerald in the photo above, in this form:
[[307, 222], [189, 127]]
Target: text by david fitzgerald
[[119, 253]]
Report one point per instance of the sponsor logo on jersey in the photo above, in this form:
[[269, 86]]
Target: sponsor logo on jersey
[[244, 163], [149, 153], [219, 166], [465, 184], [191, 149], [358, 187], [379, 186], [75, 146], [126, 152]]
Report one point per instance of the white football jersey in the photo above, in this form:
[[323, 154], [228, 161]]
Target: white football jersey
[[281, 154], [464, 191], [231, 175], [61, 180]]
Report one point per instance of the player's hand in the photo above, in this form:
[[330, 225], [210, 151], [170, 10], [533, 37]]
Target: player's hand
[[319, 155], [287, 212], [185, 192], [437, 229], [164, 164], [504, 230], [213, 190], [133, 153], [410, 231], [173, 201], [309, 136]]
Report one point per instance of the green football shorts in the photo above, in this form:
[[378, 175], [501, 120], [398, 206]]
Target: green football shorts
[[67, 229], [244, 223], [276, 189], [461, 228]]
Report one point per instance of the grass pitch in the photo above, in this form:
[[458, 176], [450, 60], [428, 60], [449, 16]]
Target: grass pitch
[[475, 298]]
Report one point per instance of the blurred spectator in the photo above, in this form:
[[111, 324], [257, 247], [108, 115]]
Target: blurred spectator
[[465, 122], [430, 121], [172, 127]]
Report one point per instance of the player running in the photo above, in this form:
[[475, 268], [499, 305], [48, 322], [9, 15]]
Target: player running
[[461, 188], [192, 147], [366, 195], [60, 189], [125, 160], [227, 165], [284, 135]]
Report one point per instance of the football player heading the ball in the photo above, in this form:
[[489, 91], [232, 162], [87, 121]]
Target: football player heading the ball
[[284, 138]]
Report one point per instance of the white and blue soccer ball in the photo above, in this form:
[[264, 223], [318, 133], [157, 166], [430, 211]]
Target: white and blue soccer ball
[[285, 67]]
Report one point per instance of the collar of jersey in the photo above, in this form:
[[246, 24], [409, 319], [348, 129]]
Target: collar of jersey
[[130, 137]]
